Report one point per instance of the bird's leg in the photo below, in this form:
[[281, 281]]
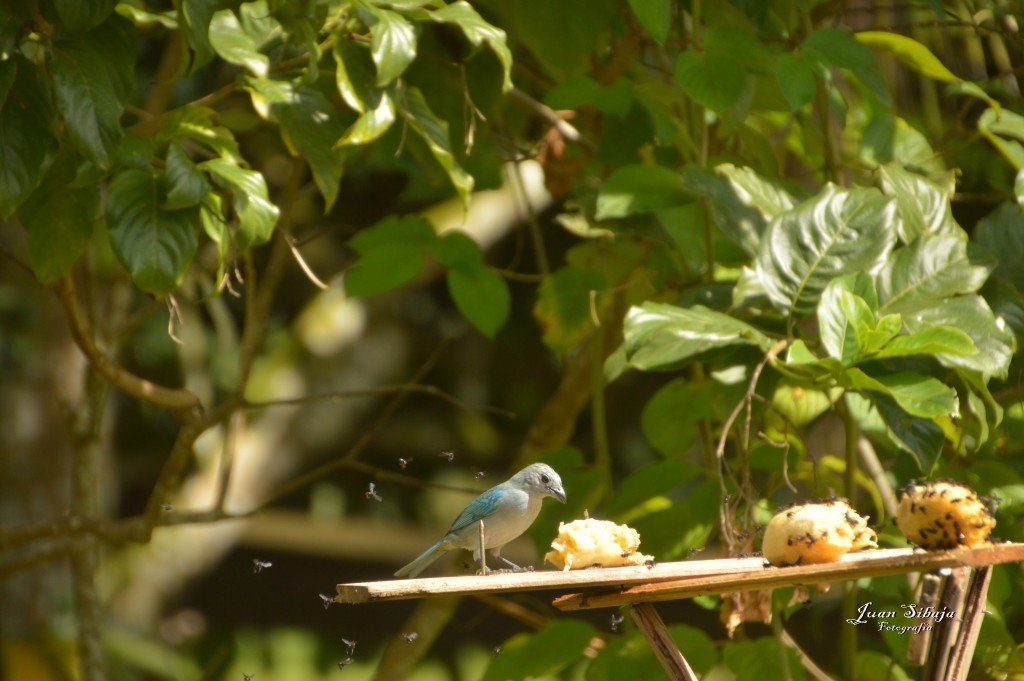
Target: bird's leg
[[515, 568], [483, 554]]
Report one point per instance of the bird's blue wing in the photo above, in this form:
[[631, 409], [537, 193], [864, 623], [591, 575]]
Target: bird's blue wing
[[481, 507]]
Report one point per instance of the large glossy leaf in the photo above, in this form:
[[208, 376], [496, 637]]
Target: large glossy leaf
[[924, 208], [918, 395], [434, 132], [92, 76], [311, 127], [931, 340], [478, 32], [660, 336], [155, 245], [836, 232], [972, 315], [847, 322], [257, 216], [392, 42], [742, 202], [26, 131], [920, 437], [234, 44], [1002, 232], [639, 189], [930, 268]]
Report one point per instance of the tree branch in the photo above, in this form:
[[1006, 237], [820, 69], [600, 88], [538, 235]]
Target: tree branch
[[178, 400]]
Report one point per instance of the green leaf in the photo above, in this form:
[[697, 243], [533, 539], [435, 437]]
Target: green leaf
[[26, 131], [714, 80], [479, 292], [910, 52], [639, 189], [560, 644], [186, 184], [918, 395], [478, 32], [410, 230], [742, 202], [834, 233], [655, 16], [563, 307], [923, 206], [845, 321], [1002, 233], [562, 34], [372, 124], [392, 42], [77, 16], [796, 80], [669, 419], [932, 267], [235, 45], [355, 73], [919, 437], [92, 76], [196, 123], [59, 221], [310, 125], [931, 340], [661, 337], [155, 245], [800, 405], [838, 47], [764, 658], [996, 125], [655, 479], [434, 132], [194, 17], [482, 296], [392, 253], [257, 216], [971, 314]]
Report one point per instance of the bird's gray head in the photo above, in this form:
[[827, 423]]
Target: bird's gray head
[[540, 478]]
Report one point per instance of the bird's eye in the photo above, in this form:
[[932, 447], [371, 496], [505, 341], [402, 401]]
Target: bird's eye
[[545, 479]]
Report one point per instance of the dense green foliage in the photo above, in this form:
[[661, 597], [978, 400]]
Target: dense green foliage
[[789, 232]]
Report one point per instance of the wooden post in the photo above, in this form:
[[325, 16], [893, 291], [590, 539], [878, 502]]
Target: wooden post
[[652, 626], [973, 614]]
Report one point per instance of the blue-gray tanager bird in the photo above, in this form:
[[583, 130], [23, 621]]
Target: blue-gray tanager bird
[[507, 510]]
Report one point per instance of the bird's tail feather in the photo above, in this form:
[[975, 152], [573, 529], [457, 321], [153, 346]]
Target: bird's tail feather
[[421, 563]]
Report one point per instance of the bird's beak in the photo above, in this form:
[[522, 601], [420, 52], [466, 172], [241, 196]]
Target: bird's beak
[[557, 493]]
